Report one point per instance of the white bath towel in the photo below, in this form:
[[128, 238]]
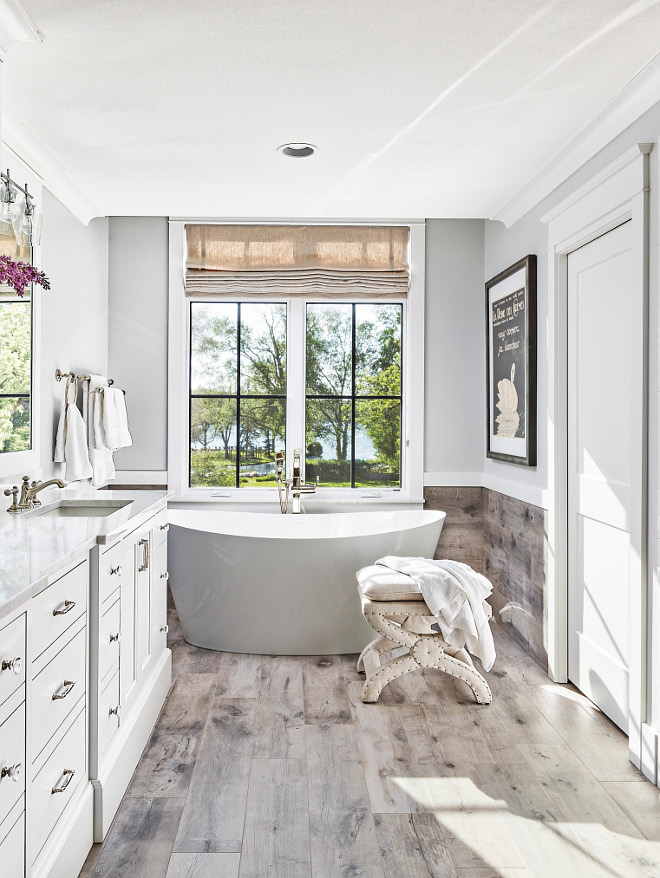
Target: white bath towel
[[100, 456], [115, 419], [71, 439], [455, 594]]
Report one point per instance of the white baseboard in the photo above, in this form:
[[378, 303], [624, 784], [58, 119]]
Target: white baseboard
[[649, 762], [66, 851], [120, 763], [140, 477]]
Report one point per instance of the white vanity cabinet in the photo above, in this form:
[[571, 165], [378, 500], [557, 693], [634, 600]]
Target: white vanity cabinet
[[131, 665], [84, 671]]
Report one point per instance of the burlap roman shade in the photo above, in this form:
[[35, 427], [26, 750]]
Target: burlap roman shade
[[359, 262]]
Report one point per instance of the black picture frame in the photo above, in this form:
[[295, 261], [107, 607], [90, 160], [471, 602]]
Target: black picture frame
[[510, 351]]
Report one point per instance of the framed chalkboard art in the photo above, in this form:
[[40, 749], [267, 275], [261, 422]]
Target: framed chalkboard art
[[511, 363]]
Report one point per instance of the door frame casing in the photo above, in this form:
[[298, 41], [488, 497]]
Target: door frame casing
[[620, 192]]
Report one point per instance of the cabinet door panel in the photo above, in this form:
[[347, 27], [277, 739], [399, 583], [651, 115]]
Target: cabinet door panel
[[127, 662]]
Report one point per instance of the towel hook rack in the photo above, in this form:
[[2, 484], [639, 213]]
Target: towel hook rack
[[59, 375]]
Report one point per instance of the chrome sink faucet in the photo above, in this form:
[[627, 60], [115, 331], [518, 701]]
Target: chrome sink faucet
[[295, 486], [28, 494]]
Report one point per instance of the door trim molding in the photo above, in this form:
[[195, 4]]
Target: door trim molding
[[618, 193]]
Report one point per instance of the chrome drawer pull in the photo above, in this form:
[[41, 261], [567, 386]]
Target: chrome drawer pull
[[115, 638], [165, 575], [68, 686], [15, 665], [145, 556], [165, 628], [115, 571], [115, 710], [12, 771], [68, 773], [68, 606], [164, 527]]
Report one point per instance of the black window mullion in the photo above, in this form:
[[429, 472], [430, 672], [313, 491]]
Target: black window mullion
[[353, 388], [238, 397]]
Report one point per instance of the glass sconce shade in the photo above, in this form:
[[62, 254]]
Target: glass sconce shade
[[27, 222]]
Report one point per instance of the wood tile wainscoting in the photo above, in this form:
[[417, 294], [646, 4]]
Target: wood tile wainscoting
[[506, 540]]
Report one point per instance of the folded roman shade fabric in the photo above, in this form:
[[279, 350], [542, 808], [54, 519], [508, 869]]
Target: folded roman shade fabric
[[360, 262]]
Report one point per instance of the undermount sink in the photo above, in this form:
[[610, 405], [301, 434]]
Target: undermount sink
[[82, 508]]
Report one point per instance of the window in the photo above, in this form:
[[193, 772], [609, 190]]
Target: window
[[15, 373], [296, 337], [237, 392], [353, 394]]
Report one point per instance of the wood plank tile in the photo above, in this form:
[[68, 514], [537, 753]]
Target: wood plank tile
[[276, 842], [488, 872], [641, 802], [213, 817], [280, 723], [204, 866], [140, 839], [326, 700], [343, 836], [167, 763], [414, 845], [239, 675], [395, 744]]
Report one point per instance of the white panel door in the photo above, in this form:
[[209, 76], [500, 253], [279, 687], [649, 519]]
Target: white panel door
[[605, 448]]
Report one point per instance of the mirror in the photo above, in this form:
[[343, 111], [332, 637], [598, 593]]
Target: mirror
[[16, 319]]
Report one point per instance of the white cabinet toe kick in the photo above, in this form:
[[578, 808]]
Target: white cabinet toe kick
[[84, 672]]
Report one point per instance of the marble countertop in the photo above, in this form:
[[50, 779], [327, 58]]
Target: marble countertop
[[35, 545]]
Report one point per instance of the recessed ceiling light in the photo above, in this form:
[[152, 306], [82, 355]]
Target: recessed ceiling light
[[297, 150]]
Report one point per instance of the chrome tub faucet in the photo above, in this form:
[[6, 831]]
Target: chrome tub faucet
[[295, 486]]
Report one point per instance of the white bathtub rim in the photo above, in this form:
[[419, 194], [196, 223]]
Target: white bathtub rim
[[261, 525]]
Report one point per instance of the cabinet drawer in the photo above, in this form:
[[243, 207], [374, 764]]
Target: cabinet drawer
[[12, 845], [54, 786], [109, 640], [57, 608], [57, 689], [110, 571], [161, 527], [108, 714], [12, 757], [159, 575], [12, 657]]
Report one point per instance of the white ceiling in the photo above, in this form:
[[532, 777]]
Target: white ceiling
[[422, 108]]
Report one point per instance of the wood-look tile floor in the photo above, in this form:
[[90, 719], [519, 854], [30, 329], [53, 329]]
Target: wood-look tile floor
[[264, 767]]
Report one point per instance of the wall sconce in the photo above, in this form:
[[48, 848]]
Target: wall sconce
[[18, 218]]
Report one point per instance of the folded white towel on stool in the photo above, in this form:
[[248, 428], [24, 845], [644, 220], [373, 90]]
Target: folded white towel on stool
[[455, 594], [71, 439], [115, 419], [100, 456]]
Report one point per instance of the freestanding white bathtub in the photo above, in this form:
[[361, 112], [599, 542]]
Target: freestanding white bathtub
[[254, 582]]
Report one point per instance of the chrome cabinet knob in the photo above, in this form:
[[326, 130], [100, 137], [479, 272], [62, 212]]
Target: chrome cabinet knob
[[165, 527], [115, 638], [13, 772], [165, 575], [15, 665], [114, 710], [165, 628], [115, 571]]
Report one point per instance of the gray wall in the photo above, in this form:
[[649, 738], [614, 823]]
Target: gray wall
[[74, 312], [503, 247], [454, 347], [137, 359], [454, 360]]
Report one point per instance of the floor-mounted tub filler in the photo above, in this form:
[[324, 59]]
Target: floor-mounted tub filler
[[254, 582]]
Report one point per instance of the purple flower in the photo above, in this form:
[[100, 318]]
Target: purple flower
[[19, 275]]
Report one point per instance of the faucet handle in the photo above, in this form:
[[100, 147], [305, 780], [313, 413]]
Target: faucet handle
[[14, 495]]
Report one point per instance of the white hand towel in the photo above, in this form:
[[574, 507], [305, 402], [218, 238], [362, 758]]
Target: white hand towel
[[100, 457], [455, 594], [115, 419], [71, 440]]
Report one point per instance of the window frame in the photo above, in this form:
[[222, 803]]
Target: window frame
[[412, 416]]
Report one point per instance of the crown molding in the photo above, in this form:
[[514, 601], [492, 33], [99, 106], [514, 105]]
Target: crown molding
[[625, 108], [15, 25], [31, 149]]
